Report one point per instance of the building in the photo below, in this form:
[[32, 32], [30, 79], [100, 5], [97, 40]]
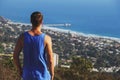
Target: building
[[56, 59]]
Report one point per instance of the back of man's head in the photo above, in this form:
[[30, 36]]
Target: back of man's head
[[36, 18]]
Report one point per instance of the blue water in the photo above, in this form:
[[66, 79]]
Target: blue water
[[101, 17]]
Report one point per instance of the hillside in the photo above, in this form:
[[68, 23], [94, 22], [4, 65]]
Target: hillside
[[102, 52]]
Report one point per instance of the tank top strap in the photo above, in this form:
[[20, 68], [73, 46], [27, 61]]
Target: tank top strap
[[43, 35]]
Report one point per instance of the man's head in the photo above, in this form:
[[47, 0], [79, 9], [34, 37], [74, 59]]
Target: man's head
[[36, 19]]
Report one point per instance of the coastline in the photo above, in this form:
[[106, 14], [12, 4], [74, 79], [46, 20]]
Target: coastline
[[68, 43], [71, 31], [82, 34]]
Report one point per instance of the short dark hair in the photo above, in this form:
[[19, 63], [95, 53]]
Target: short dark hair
[[36, 18]]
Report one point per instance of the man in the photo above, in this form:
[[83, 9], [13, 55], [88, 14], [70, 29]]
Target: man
[[37, 51]]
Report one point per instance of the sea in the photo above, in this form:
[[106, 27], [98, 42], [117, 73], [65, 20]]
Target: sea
[[97, 17]]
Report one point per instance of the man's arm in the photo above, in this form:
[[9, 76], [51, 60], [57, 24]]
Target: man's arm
[[49, 51], [17, 50]]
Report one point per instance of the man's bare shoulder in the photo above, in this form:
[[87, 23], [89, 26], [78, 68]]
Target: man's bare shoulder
[[20, 39], [48, 38]]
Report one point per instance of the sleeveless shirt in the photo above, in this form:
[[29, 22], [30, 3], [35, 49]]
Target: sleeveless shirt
[[34, 61]]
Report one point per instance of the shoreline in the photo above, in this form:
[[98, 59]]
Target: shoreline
[[71, 31], [82, 34]]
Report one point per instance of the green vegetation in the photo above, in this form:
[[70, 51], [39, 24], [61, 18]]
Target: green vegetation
[[80, 70], [7, 69], [1, 48], [81, 65]]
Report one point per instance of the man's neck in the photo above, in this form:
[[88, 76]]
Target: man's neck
[[36, 30]]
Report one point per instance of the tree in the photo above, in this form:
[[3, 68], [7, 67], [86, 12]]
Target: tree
[[80, 68], [81, 65]]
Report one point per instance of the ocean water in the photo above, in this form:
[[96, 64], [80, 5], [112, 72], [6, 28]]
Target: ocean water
[[100, 17]]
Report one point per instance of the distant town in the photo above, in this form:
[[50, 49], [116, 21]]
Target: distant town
[[104, 53]]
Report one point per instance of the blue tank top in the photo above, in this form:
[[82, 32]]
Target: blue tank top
[[34, 62]]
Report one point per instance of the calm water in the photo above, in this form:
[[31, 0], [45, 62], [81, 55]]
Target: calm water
[[101, 17]]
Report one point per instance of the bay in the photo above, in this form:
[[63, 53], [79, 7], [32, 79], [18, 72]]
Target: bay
[[100, 17]]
